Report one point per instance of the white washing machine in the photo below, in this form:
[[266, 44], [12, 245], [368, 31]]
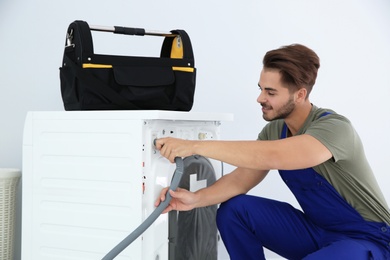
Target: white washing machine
[[91, 177]]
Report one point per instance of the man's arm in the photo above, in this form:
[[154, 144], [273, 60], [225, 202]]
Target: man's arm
[[240, 181], [295, 152]]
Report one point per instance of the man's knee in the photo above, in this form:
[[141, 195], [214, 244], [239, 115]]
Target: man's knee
[[228, 209]]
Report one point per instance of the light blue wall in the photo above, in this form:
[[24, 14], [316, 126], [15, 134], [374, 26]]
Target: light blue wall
[[229, 38]]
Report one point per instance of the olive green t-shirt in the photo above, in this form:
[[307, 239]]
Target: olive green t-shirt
[[348, 171]]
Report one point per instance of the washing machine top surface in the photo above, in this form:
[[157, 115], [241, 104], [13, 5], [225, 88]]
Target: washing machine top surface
[[131, 115]]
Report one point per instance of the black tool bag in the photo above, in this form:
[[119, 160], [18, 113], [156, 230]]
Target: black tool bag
[[92, 81]]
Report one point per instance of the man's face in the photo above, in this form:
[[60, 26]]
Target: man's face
[[276, 100]]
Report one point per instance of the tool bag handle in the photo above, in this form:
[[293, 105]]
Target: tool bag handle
[[129, 31], [79, 37]]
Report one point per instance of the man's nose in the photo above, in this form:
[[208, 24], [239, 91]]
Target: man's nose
[[260, 98]]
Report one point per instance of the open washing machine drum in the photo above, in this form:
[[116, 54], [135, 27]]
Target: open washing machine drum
[[193, 234]]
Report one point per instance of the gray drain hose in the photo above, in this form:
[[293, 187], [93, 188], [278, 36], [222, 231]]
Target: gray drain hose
[[152, 217]]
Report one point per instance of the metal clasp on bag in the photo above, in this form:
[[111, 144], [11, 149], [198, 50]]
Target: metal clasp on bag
[[69, 39], [178, 41]]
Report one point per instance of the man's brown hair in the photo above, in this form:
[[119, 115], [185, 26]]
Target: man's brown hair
[[297, 64]]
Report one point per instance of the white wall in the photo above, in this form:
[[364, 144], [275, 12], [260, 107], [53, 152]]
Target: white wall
[[229, 38]]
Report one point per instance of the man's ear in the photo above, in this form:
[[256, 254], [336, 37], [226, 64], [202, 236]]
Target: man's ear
[[301, 95]]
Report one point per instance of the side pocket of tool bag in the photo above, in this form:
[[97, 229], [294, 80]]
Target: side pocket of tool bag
[[69, 90]]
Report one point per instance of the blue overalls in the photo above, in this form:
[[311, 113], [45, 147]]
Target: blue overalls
[[329, 228]]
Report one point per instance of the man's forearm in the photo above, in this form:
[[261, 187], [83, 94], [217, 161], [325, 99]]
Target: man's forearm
[[240, 181]]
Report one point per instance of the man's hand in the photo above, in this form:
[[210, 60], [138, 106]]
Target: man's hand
[[173, 147], [182, 200]]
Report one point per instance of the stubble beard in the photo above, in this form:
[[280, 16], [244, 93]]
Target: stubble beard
[[282, 112]]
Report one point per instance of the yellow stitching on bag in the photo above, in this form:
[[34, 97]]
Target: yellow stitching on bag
[[185, 69], [96, 66], [105, 66]]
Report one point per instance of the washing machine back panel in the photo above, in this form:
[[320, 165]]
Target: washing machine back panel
[[158, 173], [91, 179]]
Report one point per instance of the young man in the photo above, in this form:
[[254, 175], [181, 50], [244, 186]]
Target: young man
[[320, 158]]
